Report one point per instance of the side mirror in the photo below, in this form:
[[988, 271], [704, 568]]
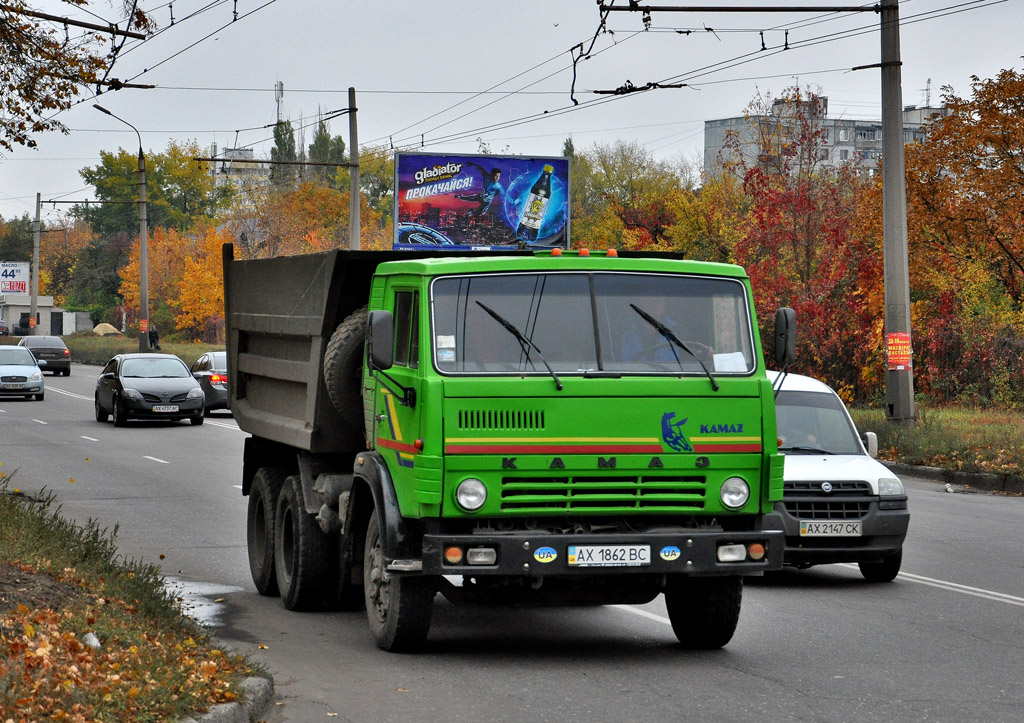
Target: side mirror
[[380, 337], [785, 336], [871, 442], [40, 362]]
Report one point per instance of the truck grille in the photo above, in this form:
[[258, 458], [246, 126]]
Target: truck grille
[[501, 419], [848, 500], [662, 493]]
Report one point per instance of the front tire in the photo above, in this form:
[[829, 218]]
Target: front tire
[[398, 608], [259, 527], [39, 397], [196, 421], [884, 571], [301, 555], [117, 412], [101, 414], [704, 611]]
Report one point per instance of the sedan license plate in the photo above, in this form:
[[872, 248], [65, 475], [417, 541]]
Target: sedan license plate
[[819, 528], [165, 408], [609, 555], [14, 386]]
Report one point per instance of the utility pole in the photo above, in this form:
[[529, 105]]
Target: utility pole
[[899, 380], [34, 303], [354, 190]]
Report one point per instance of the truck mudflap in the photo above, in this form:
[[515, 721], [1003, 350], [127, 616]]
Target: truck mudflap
[[524, 554]]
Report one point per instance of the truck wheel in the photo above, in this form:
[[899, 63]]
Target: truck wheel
[[343, 367], [398, 608], [259, 527], [301, 553], [884, 571], [704, 611]]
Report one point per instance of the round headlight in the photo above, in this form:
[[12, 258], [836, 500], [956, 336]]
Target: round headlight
[[471, 494], [735, 493]]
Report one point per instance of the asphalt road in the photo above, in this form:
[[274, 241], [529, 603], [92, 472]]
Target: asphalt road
[[944, 642]]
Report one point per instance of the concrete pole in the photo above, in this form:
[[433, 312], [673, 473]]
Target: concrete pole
[[34, 302], [899, 380], [354, 190], [143, 256]]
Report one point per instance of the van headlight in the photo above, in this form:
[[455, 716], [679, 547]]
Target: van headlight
[[890, 487], [734, 493], [471, 494]]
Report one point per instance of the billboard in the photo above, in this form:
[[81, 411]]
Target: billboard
[[14, 277], [451, 202]]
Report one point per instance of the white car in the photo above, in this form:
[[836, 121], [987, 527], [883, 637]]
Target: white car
[[20, 375], [839, 503]]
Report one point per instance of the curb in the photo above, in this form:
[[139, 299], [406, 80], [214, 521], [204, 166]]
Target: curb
[[258, 693], [994, 482]]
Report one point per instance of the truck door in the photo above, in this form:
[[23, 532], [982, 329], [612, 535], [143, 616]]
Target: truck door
[[398, 424]]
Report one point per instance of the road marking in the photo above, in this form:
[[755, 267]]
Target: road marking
[[225, 425], [67, 394], [91, 439], [643, 613], [39, 421], [957, 587], [155, 459]]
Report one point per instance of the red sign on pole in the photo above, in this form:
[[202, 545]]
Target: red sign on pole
[[143, 325], [898, 350]]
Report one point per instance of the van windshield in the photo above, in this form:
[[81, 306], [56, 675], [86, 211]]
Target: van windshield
[[814, 422], [591, 322]]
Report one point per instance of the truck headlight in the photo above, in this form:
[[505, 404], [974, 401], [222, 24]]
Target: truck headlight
[[890, 486], [471, 494], [735, 492]]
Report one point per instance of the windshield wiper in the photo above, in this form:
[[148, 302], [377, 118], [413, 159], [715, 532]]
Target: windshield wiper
[[523, 341], [802, 448], [669, 335]]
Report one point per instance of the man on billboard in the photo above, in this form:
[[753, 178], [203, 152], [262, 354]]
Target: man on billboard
[[487, 199]]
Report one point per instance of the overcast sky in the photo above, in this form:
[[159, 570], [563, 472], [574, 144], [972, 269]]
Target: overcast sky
[[446, 72]]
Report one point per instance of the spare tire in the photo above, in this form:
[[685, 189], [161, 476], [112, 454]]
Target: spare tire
[[343, 367]]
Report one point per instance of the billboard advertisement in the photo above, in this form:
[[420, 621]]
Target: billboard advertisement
[[14, 277], [451, 202]]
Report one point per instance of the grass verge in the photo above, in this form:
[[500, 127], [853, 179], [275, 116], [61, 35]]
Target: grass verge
[[86, 635], [952, 438], [88, 348]]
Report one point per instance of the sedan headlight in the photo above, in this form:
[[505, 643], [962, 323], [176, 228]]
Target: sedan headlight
[[471, 494], [890, 486], [132, 393], [36, 377], [735, 492], [195, 393]]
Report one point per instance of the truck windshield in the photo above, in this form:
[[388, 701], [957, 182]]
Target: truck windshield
[[814, 423], [585, 323]]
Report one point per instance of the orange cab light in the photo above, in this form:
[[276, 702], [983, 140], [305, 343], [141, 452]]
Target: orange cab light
[[584, 252], [418, 444], [556, 252], [612, 252], [756, 551], [453, 555]]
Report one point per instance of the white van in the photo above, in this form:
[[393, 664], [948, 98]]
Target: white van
[[839, 503]]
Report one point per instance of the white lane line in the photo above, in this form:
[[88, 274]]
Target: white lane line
[[91, 439], [155, 459], [225, 425], [957, 587], [39, 421], [643, 613], [67, 394], [237, 487]]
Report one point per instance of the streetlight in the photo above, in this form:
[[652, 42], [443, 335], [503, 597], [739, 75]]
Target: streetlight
[[143, 240]]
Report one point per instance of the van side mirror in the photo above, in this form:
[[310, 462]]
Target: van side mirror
[[380, 336], [785, 336], [871, 442]]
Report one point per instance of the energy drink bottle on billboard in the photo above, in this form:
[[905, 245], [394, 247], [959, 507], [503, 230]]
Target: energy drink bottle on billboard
[[535, 207]]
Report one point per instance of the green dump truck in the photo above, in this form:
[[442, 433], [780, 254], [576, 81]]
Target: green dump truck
[[504, 428]]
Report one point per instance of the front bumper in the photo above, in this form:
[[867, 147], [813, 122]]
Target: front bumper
[[882, 533], [24, 389], [532, 555], [143, 409]]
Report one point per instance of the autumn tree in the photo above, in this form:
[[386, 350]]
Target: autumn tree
[[166, 253], [200, 298], [58, 253], [46, 67], [179, 190]]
